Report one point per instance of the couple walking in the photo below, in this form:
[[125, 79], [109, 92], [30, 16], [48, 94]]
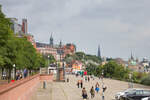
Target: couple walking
[[84, 93], [92, 91], [80, 83]]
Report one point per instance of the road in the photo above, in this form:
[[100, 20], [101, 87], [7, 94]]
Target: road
[[69, 91]]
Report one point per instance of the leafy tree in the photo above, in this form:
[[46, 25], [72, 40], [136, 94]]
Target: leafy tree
[[80, 55], [114, 70], [15, 50]]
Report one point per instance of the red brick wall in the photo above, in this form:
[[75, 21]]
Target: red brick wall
[[22, 89], [46, 77]]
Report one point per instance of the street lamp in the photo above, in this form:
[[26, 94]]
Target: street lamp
[[14, 75], [48, 60], [48, 64], [102, 85], [130, 80], [102, 75]]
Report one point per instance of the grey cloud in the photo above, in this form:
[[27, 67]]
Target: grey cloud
[[118, 25]]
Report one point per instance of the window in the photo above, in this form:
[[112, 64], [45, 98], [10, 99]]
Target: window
[[147, 92], [138, 92]]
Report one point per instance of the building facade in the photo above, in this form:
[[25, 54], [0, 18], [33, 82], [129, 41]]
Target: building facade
[[59, 51], [16, 27], [21, 30]]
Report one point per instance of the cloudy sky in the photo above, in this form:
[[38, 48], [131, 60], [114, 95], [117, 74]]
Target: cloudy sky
[[119, 26]]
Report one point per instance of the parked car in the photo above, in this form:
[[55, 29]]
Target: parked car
[[147, 98], [136, 94], [119, 94]]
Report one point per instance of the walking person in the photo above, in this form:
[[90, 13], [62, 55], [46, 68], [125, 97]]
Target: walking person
[[84, 94], [97, 87], [88, 78], [78, 83], [67, 79], [92, 92], [81, 83]]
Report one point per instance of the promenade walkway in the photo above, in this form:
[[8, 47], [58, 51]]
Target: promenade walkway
[[69, 91]]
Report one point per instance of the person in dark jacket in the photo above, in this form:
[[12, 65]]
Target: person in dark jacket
[[84, 93]]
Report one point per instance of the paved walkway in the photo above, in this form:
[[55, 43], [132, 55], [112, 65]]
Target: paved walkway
[[69, 91]]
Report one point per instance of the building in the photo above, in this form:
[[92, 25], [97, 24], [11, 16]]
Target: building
[[21, 30], [59, 51], [77, 66], [16, 27], [139, 66], [99, 52], [30, 38], [69, 49], [51, 41], [24, 26]]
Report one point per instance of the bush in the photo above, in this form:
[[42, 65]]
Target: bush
[[146, 80]]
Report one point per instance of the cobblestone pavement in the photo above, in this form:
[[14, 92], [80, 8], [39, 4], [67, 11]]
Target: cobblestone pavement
[[69, 91]]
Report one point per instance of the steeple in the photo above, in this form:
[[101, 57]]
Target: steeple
[[99, 52], [132, 58], [60, 44], [51, 40]]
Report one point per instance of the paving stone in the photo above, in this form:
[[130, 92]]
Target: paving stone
[[69, 91]]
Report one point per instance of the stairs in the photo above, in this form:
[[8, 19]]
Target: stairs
[[43, 71]]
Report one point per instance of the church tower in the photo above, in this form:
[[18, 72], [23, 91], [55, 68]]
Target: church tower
[[132, 58], [51, 41], [99, 52], [60, 44]]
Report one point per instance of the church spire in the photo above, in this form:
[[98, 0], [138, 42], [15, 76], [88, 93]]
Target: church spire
[[132, 58], [99, 52], [51, 40], [60, 44]]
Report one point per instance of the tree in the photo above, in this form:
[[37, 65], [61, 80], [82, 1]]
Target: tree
[[114, 70], [15, 50]]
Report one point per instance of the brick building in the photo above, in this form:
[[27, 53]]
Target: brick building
[[59, 51]]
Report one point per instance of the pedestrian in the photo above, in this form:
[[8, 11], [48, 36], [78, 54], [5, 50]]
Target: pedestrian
[[92, 92], [97, 87], [85, 78], [88, 78], [104, 88], [84, 94], [17, 77], [20, 76], [25, 72], [67, 79], [78, 83], [81, 83]]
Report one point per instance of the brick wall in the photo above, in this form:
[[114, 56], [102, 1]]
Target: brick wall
[[22, 89]]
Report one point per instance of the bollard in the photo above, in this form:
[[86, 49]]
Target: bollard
[[44, 85], [104, 89], [103, 96]]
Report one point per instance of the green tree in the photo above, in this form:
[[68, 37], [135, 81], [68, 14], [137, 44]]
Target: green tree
[[15, 50]]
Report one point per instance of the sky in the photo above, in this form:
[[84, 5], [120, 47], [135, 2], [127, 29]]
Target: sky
[[118, 26]]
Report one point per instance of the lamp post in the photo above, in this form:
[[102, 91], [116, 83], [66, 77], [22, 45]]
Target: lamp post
[[102, 85], [64, 69], [102, 76], [48, 64], [14, 75], [48, 60], [130, 80]]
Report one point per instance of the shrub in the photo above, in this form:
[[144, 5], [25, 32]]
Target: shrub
[[146, 80]]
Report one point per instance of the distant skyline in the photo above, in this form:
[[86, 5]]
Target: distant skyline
[[118, 26]]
